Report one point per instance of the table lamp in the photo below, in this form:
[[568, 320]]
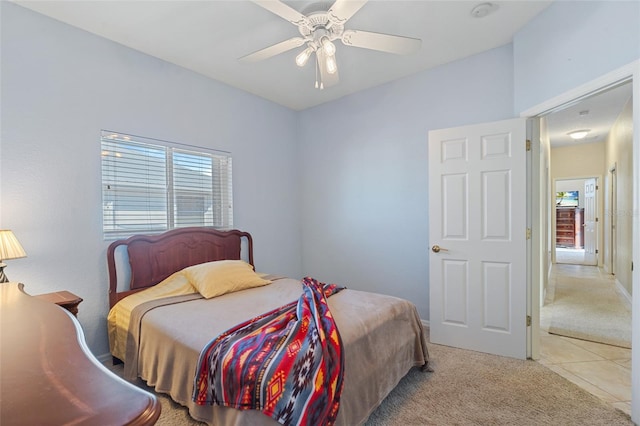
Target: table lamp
[[10, 248]]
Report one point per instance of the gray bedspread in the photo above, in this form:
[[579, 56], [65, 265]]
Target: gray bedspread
[[382, 335]]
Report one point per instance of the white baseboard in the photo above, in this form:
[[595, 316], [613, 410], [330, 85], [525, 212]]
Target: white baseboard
[[425, 323], [626, 297]]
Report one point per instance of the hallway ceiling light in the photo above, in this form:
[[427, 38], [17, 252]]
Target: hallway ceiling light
[[579, 134]]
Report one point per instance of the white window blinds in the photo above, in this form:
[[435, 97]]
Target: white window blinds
[[150, 186]]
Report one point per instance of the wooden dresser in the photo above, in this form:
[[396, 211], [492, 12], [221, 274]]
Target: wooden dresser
[[569, 227], [49, 376]]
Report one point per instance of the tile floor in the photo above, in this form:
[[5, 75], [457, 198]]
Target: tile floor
[[603, 370]]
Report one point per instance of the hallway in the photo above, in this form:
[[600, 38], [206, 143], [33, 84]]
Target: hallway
[[603, 370]]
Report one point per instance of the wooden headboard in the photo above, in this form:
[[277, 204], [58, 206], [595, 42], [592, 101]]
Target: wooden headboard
[[152, 258]]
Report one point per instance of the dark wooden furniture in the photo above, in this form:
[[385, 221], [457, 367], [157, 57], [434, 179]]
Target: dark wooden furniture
[[569, 227], [65, 299], [49, 376]]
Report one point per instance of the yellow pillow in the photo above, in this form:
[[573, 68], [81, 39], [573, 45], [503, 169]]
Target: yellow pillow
[[213, 279]]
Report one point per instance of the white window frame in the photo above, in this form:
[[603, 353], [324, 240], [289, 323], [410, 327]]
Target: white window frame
[[150, 186]]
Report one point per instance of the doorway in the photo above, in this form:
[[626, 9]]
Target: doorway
[[570, 162], [576, 224]]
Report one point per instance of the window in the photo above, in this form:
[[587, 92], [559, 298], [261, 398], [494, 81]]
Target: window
[[150, 186]]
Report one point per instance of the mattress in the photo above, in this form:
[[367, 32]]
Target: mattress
[[382, 335]]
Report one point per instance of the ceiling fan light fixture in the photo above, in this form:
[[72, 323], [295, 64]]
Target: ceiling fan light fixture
[[328, 47], [303, 57], [319, 25], [579, 134], [331, 64]]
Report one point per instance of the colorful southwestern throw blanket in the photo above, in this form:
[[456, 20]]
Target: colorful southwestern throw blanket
[[287, 363]]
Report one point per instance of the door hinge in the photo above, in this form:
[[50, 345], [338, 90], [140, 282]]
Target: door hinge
[[528, 233], [597, 187], [528, 145], [528, 320], [596, 219], [596, 251]]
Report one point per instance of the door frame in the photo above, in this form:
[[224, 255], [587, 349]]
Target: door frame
[[599, 205], [612, 222], [629, 72]]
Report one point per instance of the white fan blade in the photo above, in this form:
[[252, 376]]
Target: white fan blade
[[283, 11], [274, 50], [382, 42], [326, 78], [342, 10]]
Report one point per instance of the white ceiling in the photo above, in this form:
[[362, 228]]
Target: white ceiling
[[208, 37], [601, 109]]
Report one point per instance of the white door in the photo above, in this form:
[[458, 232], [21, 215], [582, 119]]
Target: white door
[[590, 222], [477, 232]]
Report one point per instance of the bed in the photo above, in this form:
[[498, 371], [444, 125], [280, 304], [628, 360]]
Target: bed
[[382, 336]]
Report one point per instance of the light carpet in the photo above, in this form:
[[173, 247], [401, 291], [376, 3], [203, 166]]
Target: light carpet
[[590, 308], [572, 256], [471, 388]]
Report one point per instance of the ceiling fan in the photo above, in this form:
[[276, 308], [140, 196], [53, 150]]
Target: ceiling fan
[[319, 27]]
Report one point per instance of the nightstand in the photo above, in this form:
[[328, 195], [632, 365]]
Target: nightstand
[[65, 299]]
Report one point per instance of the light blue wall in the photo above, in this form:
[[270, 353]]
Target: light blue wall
[[365, 174], [571, 43], [60, 86]]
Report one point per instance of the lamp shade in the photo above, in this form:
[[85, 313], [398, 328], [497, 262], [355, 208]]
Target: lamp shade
[[10, 248]]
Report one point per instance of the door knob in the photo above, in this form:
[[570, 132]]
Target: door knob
[[437, 249]]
